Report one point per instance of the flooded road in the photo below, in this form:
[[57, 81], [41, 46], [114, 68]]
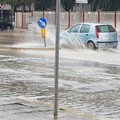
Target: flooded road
[[88, 80]]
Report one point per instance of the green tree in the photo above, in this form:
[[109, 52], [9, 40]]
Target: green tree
[[13, 3], [43, 5], [109, 5], [53, 5], [22, 4], [16, 3], [68, 4], [95, 4], [29, 3], [2, 1]]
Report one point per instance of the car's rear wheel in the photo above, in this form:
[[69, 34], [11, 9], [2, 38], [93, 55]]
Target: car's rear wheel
[[90, 45]]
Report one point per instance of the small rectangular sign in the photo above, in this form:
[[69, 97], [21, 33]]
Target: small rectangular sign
[[81, 1]]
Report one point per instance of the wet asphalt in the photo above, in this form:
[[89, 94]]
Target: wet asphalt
[[88, 81]]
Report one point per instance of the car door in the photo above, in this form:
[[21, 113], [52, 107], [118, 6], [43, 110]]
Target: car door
[[84, 32], [75, 29]]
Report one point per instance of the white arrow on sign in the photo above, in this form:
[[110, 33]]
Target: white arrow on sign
[[43, 23]]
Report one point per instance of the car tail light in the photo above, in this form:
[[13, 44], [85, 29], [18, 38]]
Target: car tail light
[[96, 31]]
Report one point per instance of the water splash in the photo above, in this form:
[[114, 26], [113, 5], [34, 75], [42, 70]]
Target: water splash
[[67, 40]]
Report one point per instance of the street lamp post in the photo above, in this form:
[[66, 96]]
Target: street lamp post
[[57, 57]]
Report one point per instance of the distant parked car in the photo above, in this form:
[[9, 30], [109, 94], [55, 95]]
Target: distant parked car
[[6, 19], [94, 35]]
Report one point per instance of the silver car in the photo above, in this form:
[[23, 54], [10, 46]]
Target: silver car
[[95, 35]]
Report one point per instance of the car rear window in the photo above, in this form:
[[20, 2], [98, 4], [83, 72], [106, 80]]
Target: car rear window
[[105, 28]]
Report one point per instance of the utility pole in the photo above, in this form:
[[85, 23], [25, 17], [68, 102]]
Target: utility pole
[[57, 57]]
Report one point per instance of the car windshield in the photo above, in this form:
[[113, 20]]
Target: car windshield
[[105, 28]]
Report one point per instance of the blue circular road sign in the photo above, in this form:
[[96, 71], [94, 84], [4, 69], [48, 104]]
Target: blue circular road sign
[[42, 22]]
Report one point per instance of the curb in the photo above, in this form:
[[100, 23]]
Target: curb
[[35, 49]]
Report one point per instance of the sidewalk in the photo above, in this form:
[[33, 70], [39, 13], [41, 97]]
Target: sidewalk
[[19, 109]]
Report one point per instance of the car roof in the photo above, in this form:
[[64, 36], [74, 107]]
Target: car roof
[[91, 23]]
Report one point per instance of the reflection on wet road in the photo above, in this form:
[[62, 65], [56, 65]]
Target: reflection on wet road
[[88, 86]]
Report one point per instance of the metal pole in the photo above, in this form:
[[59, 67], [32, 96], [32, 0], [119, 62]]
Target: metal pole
[[115, 19], [68, 18], [22, 20], [57, 57], [98, 16], [44, 42], [81, 8]]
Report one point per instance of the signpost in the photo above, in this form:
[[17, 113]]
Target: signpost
[[57, 57], [81, 1], [81, 6], [42, 24]]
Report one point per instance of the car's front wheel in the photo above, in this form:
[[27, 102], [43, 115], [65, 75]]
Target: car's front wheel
[[91, 45]]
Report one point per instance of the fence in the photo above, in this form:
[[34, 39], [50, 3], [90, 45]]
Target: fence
[[67, 18]]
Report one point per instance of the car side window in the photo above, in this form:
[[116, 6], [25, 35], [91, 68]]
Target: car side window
[[85, 28], [75, 29]]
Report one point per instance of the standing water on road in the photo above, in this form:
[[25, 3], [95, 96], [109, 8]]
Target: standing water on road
[[88, 80]]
